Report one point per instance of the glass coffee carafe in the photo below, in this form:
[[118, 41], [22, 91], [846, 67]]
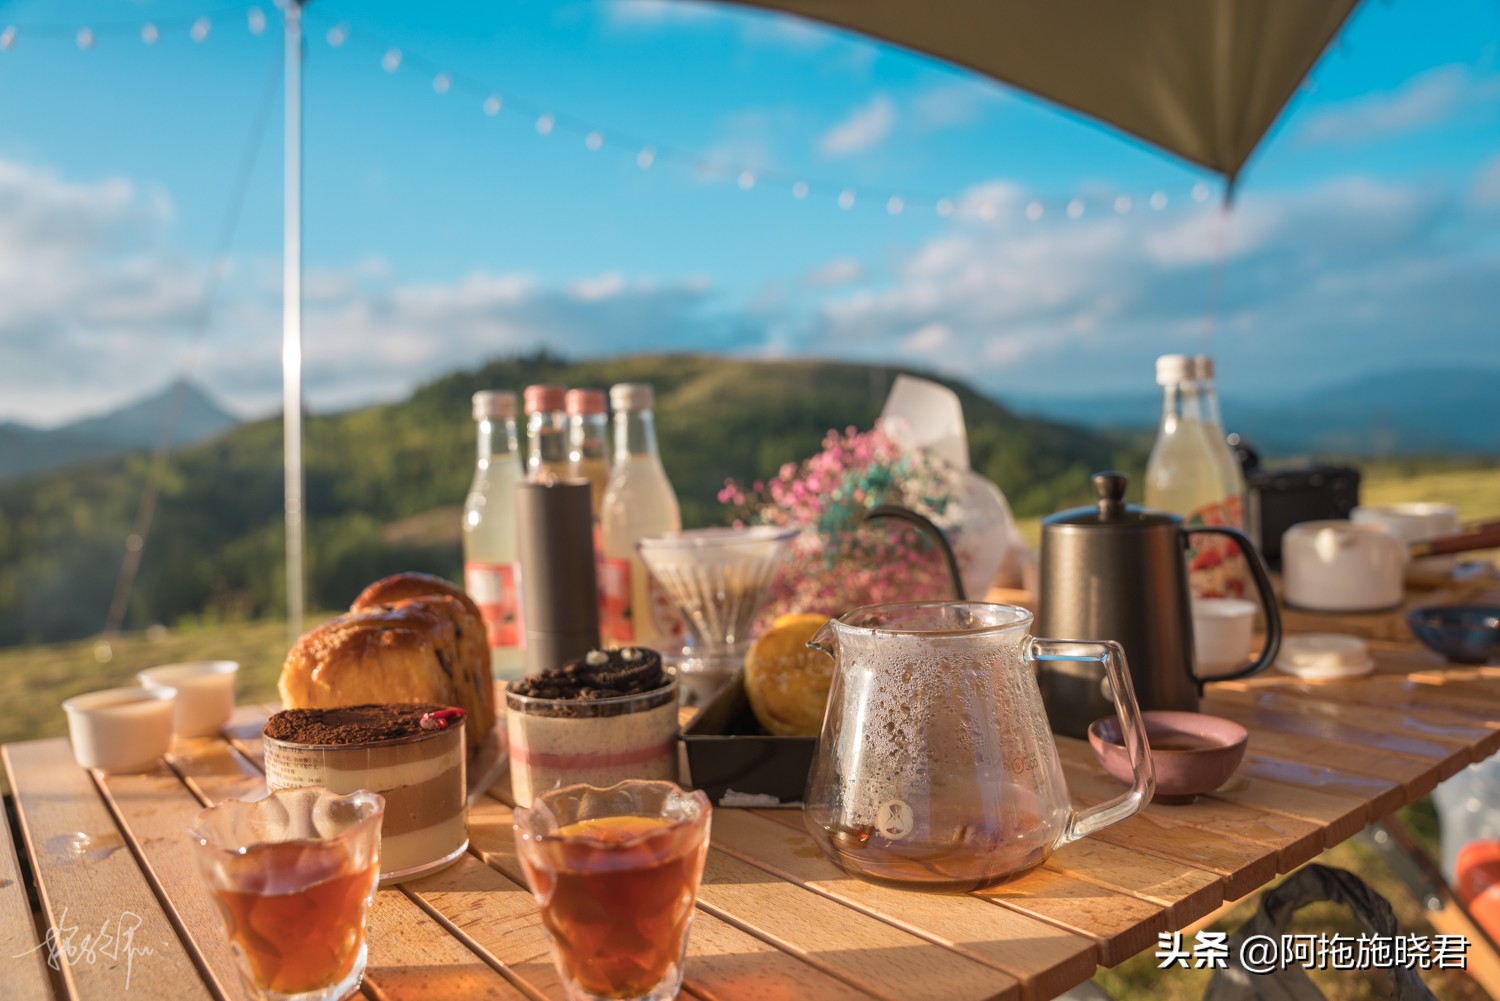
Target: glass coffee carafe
[[936, 768]]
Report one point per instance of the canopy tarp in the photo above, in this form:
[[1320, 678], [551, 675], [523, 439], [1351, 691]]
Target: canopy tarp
[[1203, 79]]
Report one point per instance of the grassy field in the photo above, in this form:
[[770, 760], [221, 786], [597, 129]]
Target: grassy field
[[35, 680]]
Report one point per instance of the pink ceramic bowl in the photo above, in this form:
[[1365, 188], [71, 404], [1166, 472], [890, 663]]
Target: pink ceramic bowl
[[1194, 753]]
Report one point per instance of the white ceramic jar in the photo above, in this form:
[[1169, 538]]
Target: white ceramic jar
[[1343, 566]]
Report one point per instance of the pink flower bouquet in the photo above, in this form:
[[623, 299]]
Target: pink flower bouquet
[[838, 562]]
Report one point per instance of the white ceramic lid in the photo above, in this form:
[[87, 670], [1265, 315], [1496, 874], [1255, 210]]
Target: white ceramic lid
[[1318, 656]]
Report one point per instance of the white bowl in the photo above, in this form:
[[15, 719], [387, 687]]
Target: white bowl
[[1416, 523], [1341, 566], [205, 693], [1222, 631], [121, 729]]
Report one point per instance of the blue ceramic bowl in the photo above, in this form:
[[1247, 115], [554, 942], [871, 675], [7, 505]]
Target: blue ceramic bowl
[[1466, 634]]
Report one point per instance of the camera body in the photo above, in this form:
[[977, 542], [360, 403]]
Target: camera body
[[1277, 500]]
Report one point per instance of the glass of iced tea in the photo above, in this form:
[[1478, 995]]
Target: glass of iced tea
[[293, 876], [615, 872]]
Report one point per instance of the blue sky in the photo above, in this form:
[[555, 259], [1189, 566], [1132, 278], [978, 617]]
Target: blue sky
[[437, 235]]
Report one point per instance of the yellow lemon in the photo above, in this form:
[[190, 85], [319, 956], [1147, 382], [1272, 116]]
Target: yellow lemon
[[785, 680]]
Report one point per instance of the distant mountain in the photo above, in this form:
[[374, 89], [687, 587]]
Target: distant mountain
[[25, 449], [384, 482], [1446, 411]]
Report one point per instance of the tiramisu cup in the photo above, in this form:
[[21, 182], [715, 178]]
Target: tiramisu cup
[[608, 717], [413, 755]]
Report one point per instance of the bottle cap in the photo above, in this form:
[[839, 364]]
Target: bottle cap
[[494, 403], [545, 399], [631, 396], [585, 401], [1173, 368], [1203, 367]]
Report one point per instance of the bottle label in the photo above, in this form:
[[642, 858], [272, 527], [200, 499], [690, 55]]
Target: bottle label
[[615, 626], [493, 587], [1216, 567], [670, 629]]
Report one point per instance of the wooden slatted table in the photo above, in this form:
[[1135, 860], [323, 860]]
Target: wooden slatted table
[[115, 904]]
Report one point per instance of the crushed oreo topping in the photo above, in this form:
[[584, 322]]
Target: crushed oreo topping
[[599, 674], [363, 724]]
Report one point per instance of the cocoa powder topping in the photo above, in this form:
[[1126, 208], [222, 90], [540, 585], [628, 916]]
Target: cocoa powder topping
[[363, 724]]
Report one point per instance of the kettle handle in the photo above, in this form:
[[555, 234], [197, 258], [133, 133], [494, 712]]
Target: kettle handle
[[1142, 767], [1262, 578]]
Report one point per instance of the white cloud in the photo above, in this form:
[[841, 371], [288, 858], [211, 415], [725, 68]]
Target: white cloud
[[865, 126], [927, 339], [1485, 192], [1425, 101], [841, 271], [959, 103]]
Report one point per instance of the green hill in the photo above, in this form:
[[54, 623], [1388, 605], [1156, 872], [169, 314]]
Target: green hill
[[216, 549]]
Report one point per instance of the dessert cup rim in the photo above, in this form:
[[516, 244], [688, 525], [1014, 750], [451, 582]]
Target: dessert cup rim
[[613, 700], [415, 738]]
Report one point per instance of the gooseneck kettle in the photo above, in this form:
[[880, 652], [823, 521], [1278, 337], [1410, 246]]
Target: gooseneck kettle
[[1114, 571]]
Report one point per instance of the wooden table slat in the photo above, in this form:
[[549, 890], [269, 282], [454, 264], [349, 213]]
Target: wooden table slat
[[23, 955], [1476, 738], [1121, 922], [93, 892]]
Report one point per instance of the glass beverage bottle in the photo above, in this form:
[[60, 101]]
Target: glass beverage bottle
[[639, 501], [546, 433], [490, 573], [1231, 476], [1183, 477], [588, 441]]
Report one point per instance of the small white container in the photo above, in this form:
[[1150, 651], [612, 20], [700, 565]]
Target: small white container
[[1416, 523], [1222, 631], [205, 693], [1340, 566], [121, 729]]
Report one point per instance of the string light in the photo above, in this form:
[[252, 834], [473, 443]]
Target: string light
[[596, 138]]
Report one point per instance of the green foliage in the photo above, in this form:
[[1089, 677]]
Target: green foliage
[[216, 548]]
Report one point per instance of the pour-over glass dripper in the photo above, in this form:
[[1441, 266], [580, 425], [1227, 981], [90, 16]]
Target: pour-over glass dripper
[[718, 578]]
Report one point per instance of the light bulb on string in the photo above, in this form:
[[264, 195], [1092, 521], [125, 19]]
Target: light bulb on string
[[1075, 208], [799, 190], [7, 38], [895, 205], [846, 198], [944, 207], [1123, 204], [85, 38], [593, 142], [256, 19], [338, 35], [1159, 200], [645, 158], [150, 34], [442, 83], [391, 61], [1200, 192], [200, 29], [1034, 210], [545, 124], [492, 105], [746, 180]]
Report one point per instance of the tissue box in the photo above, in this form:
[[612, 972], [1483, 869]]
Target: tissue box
[[732, 758]]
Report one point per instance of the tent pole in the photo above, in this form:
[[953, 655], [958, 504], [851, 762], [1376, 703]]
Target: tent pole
[[291, 344]]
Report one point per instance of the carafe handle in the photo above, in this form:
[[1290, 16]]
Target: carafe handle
[[1262, 577], [1143, 770]]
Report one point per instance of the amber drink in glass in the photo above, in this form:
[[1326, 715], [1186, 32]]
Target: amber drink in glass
[[616, 872], [293, 876]]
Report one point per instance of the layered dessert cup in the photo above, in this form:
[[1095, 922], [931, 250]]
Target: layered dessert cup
[[412, 755], [599, 720]]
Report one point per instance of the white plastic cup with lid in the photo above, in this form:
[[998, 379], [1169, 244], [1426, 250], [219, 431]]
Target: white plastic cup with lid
[[121, 729], [205, 693], [1222, 632]]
